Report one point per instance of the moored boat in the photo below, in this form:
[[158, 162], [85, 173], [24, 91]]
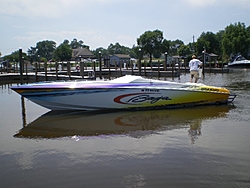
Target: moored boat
[[127, 92], [239, 62]]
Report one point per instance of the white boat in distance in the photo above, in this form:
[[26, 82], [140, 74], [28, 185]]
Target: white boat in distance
[[127, 92], [239, 62]]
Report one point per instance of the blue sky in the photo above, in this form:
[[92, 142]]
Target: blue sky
[[98, 23]]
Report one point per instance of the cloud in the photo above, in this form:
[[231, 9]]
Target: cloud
[[222, 3], [200, 3], [242, 3], [31, 8], [94, 39], [101, 22], [88, 37], [57, 8], [50, 8]]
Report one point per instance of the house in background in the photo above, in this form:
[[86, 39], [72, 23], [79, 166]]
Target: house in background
[[118, 59], [211, 57], [82, 53]]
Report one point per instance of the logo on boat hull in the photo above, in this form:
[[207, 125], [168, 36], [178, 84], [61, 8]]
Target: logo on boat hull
[[137, 98]]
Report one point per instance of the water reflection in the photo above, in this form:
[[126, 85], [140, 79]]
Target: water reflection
[[132, 123], [23, 111], [195, 129]]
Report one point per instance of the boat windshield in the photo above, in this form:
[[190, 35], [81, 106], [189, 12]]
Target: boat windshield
[[240, 58]]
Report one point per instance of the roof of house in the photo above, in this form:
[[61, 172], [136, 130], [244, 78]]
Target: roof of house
[[213, 55], [83, 52], [122, 56]]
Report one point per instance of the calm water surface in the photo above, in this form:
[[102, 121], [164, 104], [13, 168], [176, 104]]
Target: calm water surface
[[192, 147]]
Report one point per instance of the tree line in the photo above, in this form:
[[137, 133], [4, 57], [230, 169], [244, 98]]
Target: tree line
[[233, 40]]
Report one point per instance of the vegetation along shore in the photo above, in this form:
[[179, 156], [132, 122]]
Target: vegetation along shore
[[216, 48]]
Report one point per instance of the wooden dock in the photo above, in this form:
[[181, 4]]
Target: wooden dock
[[104, 74]]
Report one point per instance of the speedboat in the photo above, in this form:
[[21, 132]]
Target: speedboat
[[239, 61], [127, 92]]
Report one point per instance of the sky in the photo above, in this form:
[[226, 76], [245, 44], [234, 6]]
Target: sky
[[99, 23]]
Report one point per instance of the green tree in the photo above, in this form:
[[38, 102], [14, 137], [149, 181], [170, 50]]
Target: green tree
[[184, 50], [66, 41], [118, 49], [151, 42], [103, 51], [248, 29], [74, 44], [174, 46], [14, 56], [210, 41], [32, 54], [133, 52], [236, 40], [219, 36], [45, 49], [165, 46], [202, 44], [63, 52], [115, 49]]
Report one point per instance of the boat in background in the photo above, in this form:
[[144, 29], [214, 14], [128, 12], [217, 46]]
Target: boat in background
[[127, 92], [239, 62]]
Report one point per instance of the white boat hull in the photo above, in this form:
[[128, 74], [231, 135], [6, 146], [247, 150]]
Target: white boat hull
[[240, 62], [105, 95]]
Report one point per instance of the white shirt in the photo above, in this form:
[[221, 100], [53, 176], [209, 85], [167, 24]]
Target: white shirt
[[194, 64]]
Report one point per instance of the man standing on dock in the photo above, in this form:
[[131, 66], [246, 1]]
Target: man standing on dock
[[194, 65]]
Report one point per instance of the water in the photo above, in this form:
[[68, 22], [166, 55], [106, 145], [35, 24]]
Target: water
[[192, 147]]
